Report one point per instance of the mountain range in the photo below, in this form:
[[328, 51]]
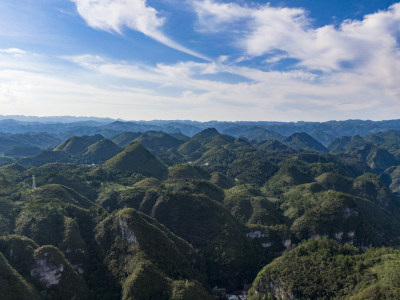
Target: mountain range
[[190, 210]]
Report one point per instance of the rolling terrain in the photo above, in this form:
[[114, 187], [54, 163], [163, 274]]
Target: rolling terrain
[[132, 211]]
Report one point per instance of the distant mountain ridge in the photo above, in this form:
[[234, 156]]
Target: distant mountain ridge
[[323, 132], [303, 141]]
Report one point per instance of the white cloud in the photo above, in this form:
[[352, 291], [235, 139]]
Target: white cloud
[[265, 29], [95, 85], [293, 95], [12, 51], [275, 58], [115, 15], [213, 16]]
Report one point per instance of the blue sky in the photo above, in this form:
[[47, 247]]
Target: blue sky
[[202, 60]]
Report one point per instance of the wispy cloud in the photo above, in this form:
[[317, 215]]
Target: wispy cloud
[[88, 84], [12, 51], [115, 15], [291, 95], [265, 29]]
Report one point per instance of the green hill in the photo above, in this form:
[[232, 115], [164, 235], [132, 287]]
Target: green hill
[[273, 145], [19, 251], [290, 173], [204, 141], [55, 277], [13, 285], [314, 212], [393, 175], [158, 141], [303, 141], [387, 140], [77, 144], [163, 145], [345, 143], [235, 158], [22, 151], [336, 182], [221, 180], [255, 133], [100, 151], [45, 268], [136, 158], [231, 257], [125, 138], [376, 158], [323, 269], [248, 205], [180, 136], [155, 256], [12, 168], [46, 157], [41, 140], [187, 171], [57, 215], [206, 133]]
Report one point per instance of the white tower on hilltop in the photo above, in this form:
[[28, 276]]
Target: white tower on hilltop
[[33, 183]]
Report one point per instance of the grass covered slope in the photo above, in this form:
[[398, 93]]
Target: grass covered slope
[[22, 151], [57, 215], [125, 138], [136, 158], [145, 256], [388, 140], [248, 205], [303, 141], [77, 144], [207, 225], [19, 251], [49, 273], [324, 269], [46, 157], [376, 158], [186, 171], [29, 139], [158, 141], [55, 276], [13, 285], [100, 151]]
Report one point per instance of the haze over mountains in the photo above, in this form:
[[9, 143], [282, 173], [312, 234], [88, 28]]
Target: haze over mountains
[[64, 127], [173, 209]]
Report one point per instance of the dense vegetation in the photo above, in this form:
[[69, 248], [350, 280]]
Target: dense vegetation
[[324, 269], [120, 214]]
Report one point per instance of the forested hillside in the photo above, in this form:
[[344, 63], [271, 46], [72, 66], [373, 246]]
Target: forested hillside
[[138, 212]]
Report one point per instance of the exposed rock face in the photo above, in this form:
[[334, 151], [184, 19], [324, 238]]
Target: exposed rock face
[[266, 245], [279, 292], [78, 268], [256, 234], [351, 235], [349, 212], [339, 235], [48, 273], [287, 244], [127, 234], [51, 271], [277, 288]]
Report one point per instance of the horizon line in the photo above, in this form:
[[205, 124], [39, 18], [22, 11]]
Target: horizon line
[[12, 117]]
